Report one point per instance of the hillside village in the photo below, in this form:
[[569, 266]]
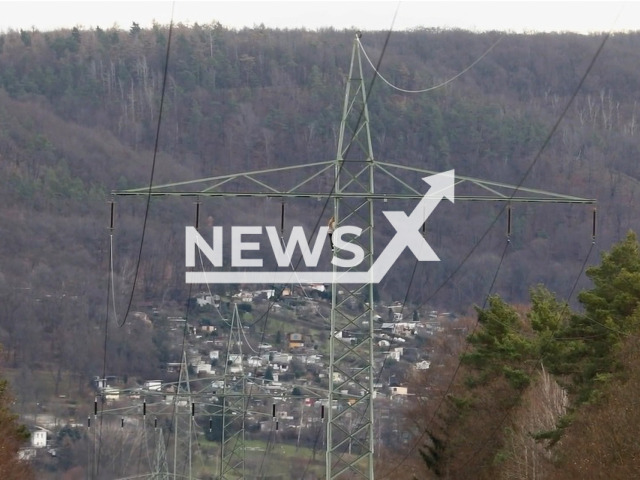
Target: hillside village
[[285, 369]]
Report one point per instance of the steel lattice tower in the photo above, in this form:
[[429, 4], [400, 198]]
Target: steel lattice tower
[[234, 405], [350, 423], [182, 425], [161, 470]]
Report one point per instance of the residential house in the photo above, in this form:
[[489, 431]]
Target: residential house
[[281, 358], [399, 390], [295, 340], [392, 355], [243, 297], [279, 367], [423, 365], [255, 361], [207, 299], [153, 385], [204, 368], [111, 394], [235, 359], [39, 437], [26, 453], [311, 359]]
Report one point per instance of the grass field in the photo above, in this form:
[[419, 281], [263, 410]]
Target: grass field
[[282, 461]]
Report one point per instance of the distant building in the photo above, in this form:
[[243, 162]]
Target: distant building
[[207, 299], [423, 365], [399, 390], [295, 340], [39, 437], [153, 385], [394, 355], [26, 453], [111, 394]]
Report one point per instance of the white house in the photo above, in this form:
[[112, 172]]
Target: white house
[[153, 385], [281, 358], [395, 355], [399, 390], [203, 367], [207, 299], [111, 394], [423, 365], [255, 361], [26, 453], [39, 438], [235, 359]]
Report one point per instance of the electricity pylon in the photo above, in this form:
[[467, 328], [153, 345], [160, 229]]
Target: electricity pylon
[[160, 468], [350, 419], [183, 420], [234, 406], [351, 356]]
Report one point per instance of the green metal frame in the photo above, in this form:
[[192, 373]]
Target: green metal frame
[[234, 398], [350, 422]]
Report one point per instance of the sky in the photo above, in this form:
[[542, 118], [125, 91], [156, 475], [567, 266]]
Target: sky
[[515, 16]]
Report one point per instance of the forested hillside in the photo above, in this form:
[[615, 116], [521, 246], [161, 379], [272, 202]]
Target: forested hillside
[[78, 116], [540, 392]]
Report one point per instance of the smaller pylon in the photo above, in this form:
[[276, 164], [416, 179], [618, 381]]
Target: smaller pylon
[[234, 405], [160, 468], [183, 422]]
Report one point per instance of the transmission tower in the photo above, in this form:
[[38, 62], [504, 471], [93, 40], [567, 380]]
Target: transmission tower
[[161, 470], [234, 406], [351, 362], [182, 425], [350, 412]]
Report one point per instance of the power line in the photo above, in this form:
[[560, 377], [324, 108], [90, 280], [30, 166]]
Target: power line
[[153, 168], [435, 87], [528, 171], [495, 276], [104, 356], [537, 362], [110, 290], [449, 386]]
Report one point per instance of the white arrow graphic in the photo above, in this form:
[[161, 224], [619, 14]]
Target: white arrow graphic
[[408, 227], [407, 236]]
